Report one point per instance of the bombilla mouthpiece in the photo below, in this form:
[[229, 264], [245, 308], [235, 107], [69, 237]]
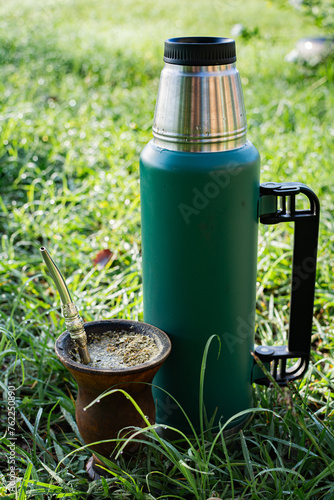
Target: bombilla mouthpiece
[[57, 277], [73, 321]]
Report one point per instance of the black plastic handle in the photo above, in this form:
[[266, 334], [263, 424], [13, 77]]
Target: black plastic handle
[[303, 275]]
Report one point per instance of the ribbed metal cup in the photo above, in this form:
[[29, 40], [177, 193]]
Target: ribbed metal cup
[[200, 108]]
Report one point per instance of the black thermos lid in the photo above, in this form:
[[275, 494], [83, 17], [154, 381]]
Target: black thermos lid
[[200, 51]]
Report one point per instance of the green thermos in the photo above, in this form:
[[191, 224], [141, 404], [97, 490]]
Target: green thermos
[[201, 202]]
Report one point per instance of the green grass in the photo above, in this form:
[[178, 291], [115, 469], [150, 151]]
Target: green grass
[[78, 85]]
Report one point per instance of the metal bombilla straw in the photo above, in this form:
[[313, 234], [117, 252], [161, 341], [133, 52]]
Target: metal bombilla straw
[[73, 321]]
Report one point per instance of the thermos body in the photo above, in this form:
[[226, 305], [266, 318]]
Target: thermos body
[[201, 201], [199, 248]]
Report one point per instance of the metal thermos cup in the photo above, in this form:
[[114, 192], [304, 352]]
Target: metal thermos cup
[[201, 202]]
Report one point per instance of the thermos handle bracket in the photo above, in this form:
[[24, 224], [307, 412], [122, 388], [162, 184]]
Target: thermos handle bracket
[[303, 276]]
